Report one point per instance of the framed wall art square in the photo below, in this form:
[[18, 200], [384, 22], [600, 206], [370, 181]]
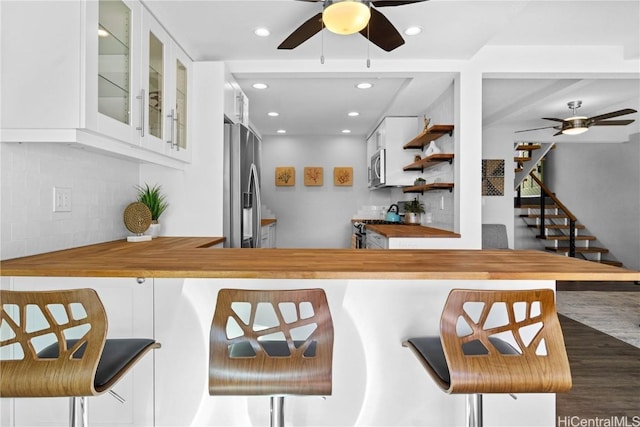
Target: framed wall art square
[[492, 177], [285, 176], [313, 176], [343, 176]]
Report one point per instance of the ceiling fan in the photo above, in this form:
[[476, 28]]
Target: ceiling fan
[[575, 125], [350, 17]]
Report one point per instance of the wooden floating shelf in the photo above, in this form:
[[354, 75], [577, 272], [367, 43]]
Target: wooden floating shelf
[[431, 134], [429, 161], [429, 187]]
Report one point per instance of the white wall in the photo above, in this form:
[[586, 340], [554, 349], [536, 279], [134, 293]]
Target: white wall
[[497, 143], [316, 217], [102, 187], [599, 184]]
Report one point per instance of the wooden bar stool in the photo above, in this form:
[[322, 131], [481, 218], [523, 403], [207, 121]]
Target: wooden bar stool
[[496, 342], [271, 342], [76, 359]]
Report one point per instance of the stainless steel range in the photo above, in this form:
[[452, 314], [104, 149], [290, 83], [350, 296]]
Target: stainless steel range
[[360, 230]]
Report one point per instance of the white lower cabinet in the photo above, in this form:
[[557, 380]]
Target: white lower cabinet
[[268, 236], [129, 307], [376, 241]]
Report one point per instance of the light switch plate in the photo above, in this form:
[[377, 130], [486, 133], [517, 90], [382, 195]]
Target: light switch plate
[[61, 199]]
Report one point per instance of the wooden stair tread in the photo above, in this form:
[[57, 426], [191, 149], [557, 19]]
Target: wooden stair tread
[[537, 206], [556, 226], [564, 237], [591, 250], [528, 147], [521, 159], [552, 216]]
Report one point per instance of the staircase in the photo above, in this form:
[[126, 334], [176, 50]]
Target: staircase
[[556, 225]]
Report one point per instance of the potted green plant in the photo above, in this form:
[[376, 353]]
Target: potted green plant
[[413, 211], [156, 201]]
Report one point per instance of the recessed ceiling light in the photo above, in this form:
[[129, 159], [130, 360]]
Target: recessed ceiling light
[[364, 85], [260, 86], [413, 31], [262, 32], [353, 114], [273, 114], [281, 131], [346, 131]]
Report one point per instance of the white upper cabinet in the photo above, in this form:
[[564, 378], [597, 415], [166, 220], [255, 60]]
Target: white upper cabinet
[[236, 103], [98, 73]]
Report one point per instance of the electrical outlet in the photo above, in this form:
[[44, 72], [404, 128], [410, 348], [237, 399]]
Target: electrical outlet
[[61, 199]]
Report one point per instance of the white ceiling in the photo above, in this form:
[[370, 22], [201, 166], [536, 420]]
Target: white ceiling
[[317, 103]]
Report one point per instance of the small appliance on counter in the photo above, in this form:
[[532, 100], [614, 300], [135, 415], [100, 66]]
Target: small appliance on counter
[[393, 214]]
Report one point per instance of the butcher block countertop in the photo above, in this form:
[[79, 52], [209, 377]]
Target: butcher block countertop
[[403, 230], [193, 257]]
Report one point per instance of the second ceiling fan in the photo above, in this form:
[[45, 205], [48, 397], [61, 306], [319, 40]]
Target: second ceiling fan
[[576, 125], [350, 17]]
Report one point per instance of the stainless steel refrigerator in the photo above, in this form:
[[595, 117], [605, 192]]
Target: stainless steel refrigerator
[[242, 221]]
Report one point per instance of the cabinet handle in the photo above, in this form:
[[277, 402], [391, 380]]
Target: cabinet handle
[[141, 97], [140, 280], [177, 122], [172, 118]]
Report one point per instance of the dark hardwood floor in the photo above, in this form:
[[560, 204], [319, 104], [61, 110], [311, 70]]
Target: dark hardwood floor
[[606, 376], [598, 286]]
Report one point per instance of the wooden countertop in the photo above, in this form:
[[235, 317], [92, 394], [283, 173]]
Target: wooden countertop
[[167, 257], [267, 221], [403, 230]]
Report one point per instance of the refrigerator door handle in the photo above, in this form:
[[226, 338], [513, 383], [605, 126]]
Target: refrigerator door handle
[[258, 206]]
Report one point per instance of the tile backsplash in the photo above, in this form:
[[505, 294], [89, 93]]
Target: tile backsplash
[[101, 187]]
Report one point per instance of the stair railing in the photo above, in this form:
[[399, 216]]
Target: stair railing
[[544, 193]]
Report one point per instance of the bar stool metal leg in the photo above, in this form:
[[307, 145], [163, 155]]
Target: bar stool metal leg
[[78, 412], [277, 411], [474, 410]]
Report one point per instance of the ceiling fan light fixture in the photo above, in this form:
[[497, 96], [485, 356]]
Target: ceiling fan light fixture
[[575, 126], [346, 16]]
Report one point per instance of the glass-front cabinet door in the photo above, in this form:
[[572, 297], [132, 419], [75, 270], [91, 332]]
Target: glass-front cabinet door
[[114, 71], [179, 115], [181, 105], [156, 45], [156, 85], [118, 44]]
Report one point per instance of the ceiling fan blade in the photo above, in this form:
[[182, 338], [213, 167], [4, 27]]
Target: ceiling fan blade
[[558, 133], [303, 33], [395, 3], [382, 33], [528, 130], [613, 123], [552, 118], [611, 115]]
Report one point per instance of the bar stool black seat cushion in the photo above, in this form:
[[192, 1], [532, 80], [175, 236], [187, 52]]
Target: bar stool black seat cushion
[[116, 355], [430, 348]]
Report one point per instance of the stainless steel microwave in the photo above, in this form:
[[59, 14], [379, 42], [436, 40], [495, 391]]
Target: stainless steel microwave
[[378, 169]]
